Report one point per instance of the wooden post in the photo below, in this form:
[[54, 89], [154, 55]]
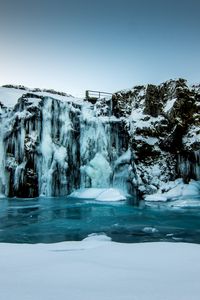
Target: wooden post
[[87, 95]]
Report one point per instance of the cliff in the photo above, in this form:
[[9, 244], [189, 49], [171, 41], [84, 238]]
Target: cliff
[[52, 143]]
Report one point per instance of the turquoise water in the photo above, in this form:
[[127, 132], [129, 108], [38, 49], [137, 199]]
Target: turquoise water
[[49, 220]]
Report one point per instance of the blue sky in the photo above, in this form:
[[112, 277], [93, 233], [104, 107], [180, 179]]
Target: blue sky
[[103, 45]]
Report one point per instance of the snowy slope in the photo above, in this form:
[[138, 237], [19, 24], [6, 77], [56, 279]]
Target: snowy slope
[[9, 96], [96, 268]]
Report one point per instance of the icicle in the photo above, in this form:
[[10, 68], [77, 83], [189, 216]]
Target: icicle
[[2, 161], [197, 164], [44, 164], [19, 175]]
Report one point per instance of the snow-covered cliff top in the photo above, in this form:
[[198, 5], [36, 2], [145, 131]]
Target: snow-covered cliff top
[[9, 94]]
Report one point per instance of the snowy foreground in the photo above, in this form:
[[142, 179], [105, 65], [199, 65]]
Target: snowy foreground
[[98, 269]]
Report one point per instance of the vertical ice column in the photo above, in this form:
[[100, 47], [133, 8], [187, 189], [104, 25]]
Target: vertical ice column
[[2, 161], [61, 143], [46, 148], [94, 150], [55, 140], [189, 165], [197, 164]]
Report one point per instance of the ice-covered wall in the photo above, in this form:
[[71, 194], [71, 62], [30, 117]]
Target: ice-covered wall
[[50, 147]]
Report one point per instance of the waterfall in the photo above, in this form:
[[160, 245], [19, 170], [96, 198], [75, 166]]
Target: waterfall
[[58, 149], [51, 148], [103, 141]]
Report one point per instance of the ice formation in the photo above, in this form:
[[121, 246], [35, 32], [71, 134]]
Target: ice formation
[[51, 147]]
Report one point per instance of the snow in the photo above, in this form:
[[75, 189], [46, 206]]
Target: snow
[[191, 189], [10, 96], [99, 269], [99, 194], [149, 140], [192, 136], [169, 105], [176, 189], [137, 119]]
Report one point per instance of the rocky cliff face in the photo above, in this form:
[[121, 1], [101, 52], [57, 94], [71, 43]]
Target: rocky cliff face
[[52, 143], [164, 130]]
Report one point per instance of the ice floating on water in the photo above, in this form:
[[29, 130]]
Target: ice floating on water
[[150, 230], [99, 194], [94, 237]]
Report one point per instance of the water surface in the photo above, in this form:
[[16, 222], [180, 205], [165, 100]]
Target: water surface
[[49, 220]]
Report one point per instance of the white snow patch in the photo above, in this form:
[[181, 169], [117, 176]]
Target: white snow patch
[[10, 96], [176, 189], [169, 105], [149, 140], [97, 238], [137, 119], [193, 136], [101, 270], [99, 194]]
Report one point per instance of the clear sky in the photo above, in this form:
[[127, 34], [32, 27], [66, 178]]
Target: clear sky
[[104, 45]]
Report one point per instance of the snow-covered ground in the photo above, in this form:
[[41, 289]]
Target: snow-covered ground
[[99, 269]]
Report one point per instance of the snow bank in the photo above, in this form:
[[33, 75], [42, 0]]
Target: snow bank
[[99, 194], [10, 96], [176, 189], [96, 268]]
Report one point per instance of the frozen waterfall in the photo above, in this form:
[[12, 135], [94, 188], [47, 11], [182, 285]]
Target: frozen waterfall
[[50, 148]]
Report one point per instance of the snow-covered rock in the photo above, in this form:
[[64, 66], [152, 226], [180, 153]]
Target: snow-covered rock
[[164, 127], [176, 189]]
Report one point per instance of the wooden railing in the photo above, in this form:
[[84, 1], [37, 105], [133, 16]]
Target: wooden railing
[[93, 96]]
